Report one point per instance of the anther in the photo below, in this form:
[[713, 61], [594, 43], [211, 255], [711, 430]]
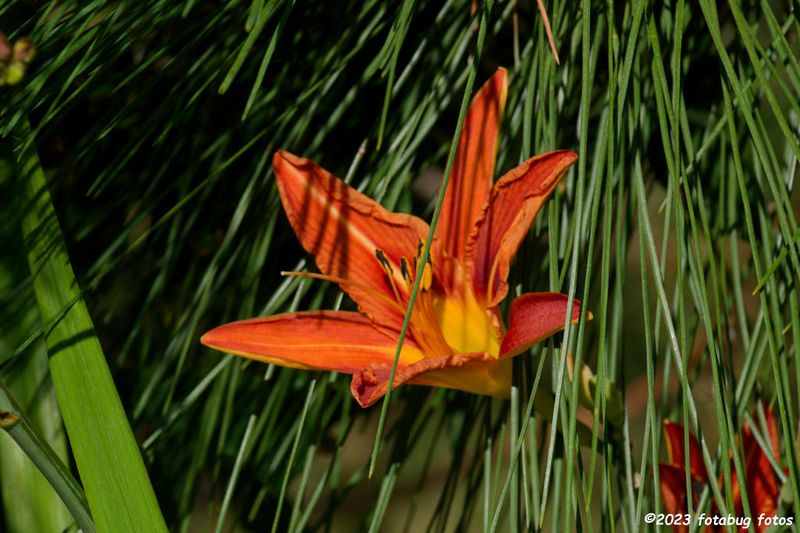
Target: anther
[[387, 268], [404, 269], [383, 261], [427, 278]]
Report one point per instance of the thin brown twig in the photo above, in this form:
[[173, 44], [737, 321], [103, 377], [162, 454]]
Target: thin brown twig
[[548, 31]]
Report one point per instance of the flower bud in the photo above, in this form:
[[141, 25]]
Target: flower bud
[[5, 48], [14, 73], [24, 50], [615, 410]]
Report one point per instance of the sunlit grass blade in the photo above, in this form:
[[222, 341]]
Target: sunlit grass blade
[[111, 468], [29, 500], [427, 248]]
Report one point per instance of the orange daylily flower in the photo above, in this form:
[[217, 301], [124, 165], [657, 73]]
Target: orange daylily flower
[[456, 338], [762, 484]]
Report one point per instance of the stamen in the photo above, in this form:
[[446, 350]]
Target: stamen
[[427, 269], [383, 261], [424, 325], [387, 268], [427, 278], [404, 270]]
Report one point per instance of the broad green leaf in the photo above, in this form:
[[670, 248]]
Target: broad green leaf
[[29, 501], [111, 469]]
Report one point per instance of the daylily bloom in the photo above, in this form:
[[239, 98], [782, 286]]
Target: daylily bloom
[[456, 338], [762, 484]]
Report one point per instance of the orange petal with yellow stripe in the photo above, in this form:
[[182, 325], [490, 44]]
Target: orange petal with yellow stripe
[[340, 341], [473, 167], [514, 202], [344, 229]]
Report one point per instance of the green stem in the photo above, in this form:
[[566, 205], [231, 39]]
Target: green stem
[[426, 251], [45, 459]]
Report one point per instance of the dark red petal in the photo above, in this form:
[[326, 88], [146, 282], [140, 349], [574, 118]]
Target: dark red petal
[[763, 488], [534, 317], [673, 492], [675, 450]]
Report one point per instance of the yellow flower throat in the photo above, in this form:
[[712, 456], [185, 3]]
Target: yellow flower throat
[[442, 324]]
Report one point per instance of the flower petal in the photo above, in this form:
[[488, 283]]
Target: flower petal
[[534, 317], [474, 373], [505, 219], [314, 340], [343, 229], [763, 487], [675, 450], [673, 492], [473, 169]]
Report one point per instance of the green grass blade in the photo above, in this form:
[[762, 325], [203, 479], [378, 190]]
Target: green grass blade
[[237, 467], [262, 68], [427, 248], [257, 18], [289, 464]]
